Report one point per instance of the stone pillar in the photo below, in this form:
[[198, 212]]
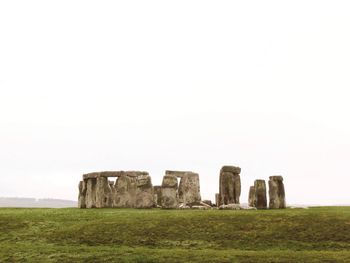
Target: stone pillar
[[82, 194], [251, 196], [189, 189], [230, 185], [217, 200], [169, 192], [260, 201], [277, 193], [103, 193], [157, 195], [144, 192], [111, 185], [90, 192], [125, 191]]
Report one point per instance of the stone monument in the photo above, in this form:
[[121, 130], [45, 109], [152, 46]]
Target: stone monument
[[229, 185], [277, 193]]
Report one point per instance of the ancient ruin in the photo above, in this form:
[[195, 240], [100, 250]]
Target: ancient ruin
[[184, 194], [169, 192], [251, 198], [217, 200], [260, 200], [189, 189], [131, 189], [276, 192], [157, 189], [179, 189], [229, 185], [82, 194], [134, 189]]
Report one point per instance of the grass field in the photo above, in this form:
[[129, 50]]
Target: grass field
[[128, 235]]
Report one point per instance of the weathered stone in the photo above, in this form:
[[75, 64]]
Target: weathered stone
[[169, 193], [277, 193], [144, 192], [230, 185], [170, 181], [204, 204], [189, 189], [260, 201], [247, 207], [201, 207], [155, 199], [90, 176], [90, 193], [158, 194], [131, 189], [82, 195], [207, 202], [125, 191], [113, 192], [276, 178], [251, 198], [134, 189], [114, 174], [236, 207], [231, 169], [230, 207], [217, 200], [183, 206], [103, 193], [179, 174]]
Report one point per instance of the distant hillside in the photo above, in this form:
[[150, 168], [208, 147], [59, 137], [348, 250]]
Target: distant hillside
[[32, 202]]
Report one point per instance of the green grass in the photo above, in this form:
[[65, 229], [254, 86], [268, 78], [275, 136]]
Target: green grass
[[130, 235]]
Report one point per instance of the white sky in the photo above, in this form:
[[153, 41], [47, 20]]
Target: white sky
[[190, 85]]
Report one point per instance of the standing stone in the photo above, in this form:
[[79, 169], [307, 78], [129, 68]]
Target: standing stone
[[217, 200], [144, 192], [90, 193], [157, 195], [169, 193], [230, 185], [260, 200], [251, 196], [82, 194], [103, 193], [277, 193], [113, 192], [155, 199], [125, 191], [189, 189], [131, 189]]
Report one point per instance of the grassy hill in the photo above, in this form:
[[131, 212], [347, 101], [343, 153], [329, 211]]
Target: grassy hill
[[130, 235]]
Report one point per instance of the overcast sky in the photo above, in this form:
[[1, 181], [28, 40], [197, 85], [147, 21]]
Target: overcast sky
[[189, 85]]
